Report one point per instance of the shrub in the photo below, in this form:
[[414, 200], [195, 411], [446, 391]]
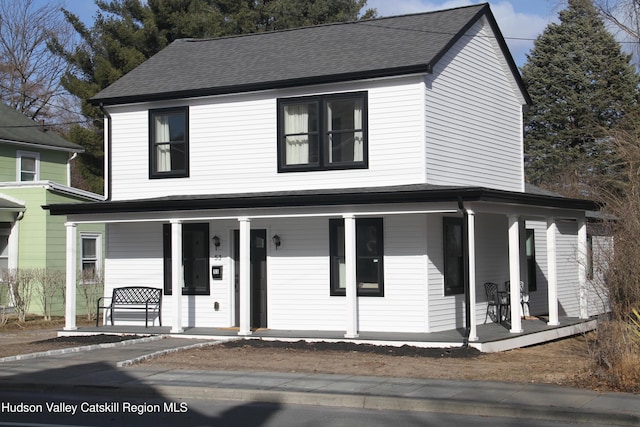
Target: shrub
[[90, 287], [51, 283], [21, 284]]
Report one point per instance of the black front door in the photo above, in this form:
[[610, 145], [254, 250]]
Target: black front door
[[258, 271]]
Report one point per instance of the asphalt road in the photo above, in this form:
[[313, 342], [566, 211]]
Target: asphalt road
[[49, 410]]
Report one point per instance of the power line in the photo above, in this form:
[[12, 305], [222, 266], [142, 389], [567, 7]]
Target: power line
[[39, 125], [448, 33]]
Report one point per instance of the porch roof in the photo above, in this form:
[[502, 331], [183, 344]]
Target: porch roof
[[414, 193]]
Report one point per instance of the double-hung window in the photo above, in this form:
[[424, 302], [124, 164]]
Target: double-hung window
[[453, 256], [169, 143], [322, 132], [195, 259], [28, 166], [91, 257], [369, 257]]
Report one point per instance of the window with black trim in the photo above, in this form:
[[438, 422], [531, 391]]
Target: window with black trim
[[323, 132], [453, 256], [530, 246], [195, 258], [369, 257], [169, 143]]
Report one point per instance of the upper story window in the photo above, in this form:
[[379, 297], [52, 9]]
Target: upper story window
[[28, 167], [322, 132], [169, 143]]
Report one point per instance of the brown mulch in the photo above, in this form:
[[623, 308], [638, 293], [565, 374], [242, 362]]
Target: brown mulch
[[564, 362], [56, 343], [36, 335]]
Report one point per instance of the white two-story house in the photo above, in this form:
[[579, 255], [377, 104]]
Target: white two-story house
[[356, 177]]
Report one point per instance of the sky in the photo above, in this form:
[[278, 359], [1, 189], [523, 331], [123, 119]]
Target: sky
[[521, 21]]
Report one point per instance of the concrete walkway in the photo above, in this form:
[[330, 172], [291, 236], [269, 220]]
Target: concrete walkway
[[111, 369]]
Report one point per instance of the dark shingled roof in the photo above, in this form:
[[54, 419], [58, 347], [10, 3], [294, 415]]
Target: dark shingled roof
[[311, 55], [15, 127]]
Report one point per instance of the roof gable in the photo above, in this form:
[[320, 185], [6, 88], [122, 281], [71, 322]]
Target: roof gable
[[17, 128], [320, 54]]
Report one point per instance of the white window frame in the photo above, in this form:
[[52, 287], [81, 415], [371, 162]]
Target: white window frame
[[98, 256], [5, 233], [30, 154]]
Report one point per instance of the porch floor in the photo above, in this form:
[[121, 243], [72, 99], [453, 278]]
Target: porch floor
[[491, 336]]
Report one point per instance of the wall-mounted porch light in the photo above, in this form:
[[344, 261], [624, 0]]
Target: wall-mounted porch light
[[216, 242], [276, 241]]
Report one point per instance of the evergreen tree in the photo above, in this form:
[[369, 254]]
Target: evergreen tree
[[581, 85], [128, 32]]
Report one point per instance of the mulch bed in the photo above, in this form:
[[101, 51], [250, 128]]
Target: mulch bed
[[88, 339], [57, 343], [403, 351]]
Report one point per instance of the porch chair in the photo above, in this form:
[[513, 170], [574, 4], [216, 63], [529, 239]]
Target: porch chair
[[524, 297], [497, 299]]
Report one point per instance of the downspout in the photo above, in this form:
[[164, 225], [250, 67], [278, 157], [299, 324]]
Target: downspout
[[107, 155], [465, 275], [73, 156]]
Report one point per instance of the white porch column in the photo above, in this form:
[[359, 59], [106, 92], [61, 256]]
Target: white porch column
[[514, 273], [70, 298], [552, 273], [351, 278], [14, 244], [471, 239], [177, 275], [245, 276], [582, 268]]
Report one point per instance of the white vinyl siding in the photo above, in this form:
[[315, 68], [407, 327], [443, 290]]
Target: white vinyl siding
[[134, 258], [492, 265], [298, 294], [492, 257], [301, 300], [233, 144], [567, 265], [539, 300], [403, 308], [473, 117], [445, 312], [598, 291]]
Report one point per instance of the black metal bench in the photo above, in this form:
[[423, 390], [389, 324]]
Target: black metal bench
[[133, 298]]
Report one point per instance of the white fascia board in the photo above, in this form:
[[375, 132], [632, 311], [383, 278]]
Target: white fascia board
[[34, 145], [53, 186]]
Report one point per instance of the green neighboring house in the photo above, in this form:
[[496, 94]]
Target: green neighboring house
[[35, 171]]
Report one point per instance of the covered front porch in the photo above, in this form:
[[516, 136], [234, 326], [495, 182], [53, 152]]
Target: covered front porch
[[495, 336], [417, 304]]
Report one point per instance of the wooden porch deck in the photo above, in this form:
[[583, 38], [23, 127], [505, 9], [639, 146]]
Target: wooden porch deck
[[492, 337]]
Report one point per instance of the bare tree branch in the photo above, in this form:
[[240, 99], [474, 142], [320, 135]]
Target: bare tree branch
[[30, 72]]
